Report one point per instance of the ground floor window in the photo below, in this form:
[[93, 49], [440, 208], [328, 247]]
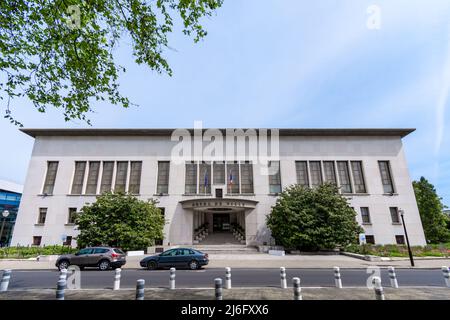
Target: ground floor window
[[400, 239], [370, 239], [68, 241], [37, 240]]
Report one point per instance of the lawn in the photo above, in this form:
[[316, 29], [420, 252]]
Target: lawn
[[32, 251], [432, 250]]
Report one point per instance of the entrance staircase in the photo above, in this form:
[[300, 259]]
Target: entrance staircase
[[223, 242]]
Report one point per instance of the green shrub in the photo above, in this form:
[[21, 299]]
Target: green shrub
[[32, 251], [393, 250]]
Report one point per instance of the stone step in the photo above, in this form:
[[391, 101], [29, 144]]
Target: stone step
[[226, 249]]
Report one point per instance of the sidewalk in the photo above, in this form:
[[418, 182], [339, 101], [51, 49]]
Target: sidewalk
[[423, 293], [260, 260]]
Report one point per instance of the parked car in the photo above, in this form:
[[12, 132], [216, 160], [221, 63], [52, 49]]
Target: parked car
[[179, 257], [99, 257]]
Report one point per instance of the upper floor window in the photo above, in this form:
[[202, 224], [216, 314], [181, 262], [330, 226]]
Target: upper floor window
[[205, 178], [395, 217], [72, 215], [42, 215], [344, 177], [246, 177], [329, 172], [135, 177], [191, 178], [162, 185], [92, 180], [49, 183], [121, 176], [316, 173], [301, 168], [358, 177], [78, 177], [365, 215], [386, 176], [274, 177], [107, 176], [219, 172], [233, 177]]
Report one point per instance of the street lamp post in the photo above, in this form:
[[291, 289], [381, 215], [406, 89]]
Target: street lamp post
[[407, 239], [5, 214]]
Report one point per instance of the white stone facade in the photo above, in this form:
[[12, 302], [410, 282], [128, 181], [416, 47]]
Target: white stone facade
[[150, 146]]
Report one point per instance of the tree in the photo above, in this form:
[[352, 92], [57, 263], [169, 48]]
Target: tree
[[434, 221], [120, 220], [313, 218], [60, 53]]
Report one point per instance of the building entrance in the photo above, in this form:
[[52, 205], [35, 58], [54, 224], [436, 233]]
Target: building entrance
[[221, 222]]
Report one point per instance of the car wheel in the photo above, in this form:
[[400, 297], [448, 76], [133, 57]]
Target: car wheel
[[151, 265], [193, 265], [63, 264], [104, 265]]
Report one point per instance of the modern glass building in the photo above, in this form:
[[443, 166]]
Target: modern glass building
[[10, 195]]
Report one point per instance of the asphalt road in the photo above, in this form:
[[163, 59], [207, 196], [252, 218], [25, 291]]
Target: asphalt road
[[94, 279]]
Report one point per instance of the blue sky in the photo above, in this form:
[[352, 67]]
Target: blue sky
[[280, 63]]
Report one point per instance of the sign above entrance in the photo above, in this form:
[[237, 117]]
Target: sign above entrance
[[215, 204]]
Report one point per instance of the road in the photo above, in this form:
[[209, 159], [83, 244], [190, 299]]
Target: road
[[94, 279]]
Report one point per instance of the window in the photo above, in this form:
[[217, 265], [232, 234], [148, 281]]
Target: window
[[316, 173], [274, 177], [191, 178], [121, 176], [42, 215], [394, 215], [205, 178], [365, 215], [49, 184], [162, 183], [219, 172], [370, 239], [107, 176], [100, 251], [91, 185], [301, 168], [72, 215], [400, 239], [135, 177], [78, 177], [358, 178], [233, 177], [329, 172], [246, 177], [386, 177], [68, 241], [85, 251], [37, 240], [344, 177]]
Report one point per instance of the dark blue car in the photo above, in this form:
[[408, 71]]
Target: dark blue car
[[178, 258]]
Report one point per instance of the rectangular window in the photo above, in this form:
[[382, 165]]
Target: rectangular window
[[400, 239], [72, 215], [91, 185], [274, 177], [78, 177], [358, 178], [246, 177], [205, 178], [135, 177], [42, 215], [316, 173], [162, 185], [386, 177], [68, 241], [344, 177], [107, 176], [233, 177], [365, 215], [37, 240], [121, 176], [301, 168], [394, 215], [219, 172], [159, 242], [329, 172], [49, 183], [191, 178], [370, 239]]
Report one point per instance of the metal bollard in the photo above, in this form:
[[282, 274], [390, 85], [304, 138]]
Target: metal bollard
[[218, 287], [283, 278], [60, 289], [393, 277], [297, 289], [5, 280], [117, 279], [140, 289], [172, 278], [337, 278], [445, 272], [379, 292], [63, 275], [227, 278]]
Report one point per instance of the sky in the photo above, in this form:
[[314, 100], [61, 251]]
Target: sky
[[288, 64]]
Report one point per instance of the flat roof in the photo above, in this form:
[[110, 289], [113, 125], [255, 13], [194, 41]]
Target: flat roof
[[398, 132]]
